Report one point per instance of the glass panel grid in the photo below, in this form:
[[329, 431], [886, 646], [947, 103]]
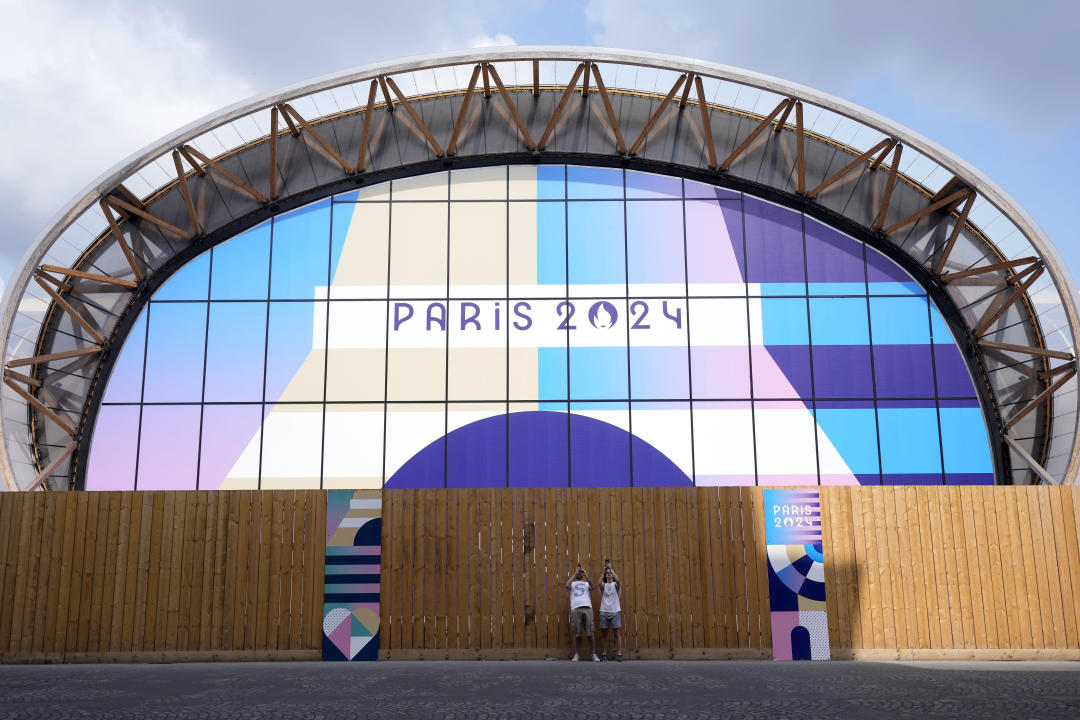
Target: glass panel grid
[[451, 329]]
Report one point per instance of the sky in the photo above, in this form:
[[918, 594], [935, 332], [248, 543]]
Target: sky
[[84, 85]]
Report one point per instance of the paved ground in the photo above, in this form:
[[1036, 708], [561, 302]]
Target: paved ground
[[557, 690]]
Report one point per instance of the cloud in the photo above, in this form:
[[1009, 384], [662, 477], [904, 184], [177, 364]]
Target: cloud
[[499, 40], [966, 58], [84, 85]]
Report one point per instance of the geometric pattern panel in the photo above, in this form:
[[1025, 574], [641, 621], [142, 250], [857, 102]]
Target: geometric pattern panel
[[796, 574], [353, 554]]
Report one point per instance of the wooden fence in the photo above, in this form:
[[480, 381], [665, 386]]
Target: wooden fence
[[911, 572], [161, 575]]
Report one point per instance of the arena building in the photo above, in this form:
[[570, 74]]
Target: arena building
[[539, 267]]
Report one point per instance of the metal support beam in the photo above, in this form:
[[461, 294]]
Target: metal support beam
[[436, 148], [52, 465], [117, 203], [800, 146], [71, 272], [894, 168], [75, 314], [620, 145], [1026, 349], [754, 133], [273, 152], [992, 314], [181, 179], [115, 228], [1040, 399], [951, 242], [656, 115], [885, 145], [949, 277], [45, 409], [53, 357], [706, 125], [361, 165], [559, 108], [288, 110], [1038, 469], [460, 122], [914, 217], [216, 167], [512, 108]]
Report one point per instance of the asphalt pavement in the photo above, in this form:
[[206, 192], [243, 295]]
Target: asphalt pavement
[[559, 690]]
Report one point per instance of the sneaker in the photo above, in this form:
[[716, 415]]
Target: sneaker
[[575, 658], [594, 658], [619, 657]]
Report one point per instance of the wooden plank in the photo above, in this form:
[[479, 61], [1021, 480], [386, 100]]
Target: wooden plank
[[288, 548], [995, 589], [906, 548], [682, 564], [886, 578], [231, 625], [22, 570], [562, 566], [142, 570], [145, 625], [918, 508], [509, 524], [112, 557], [25, 618], [875, 619], [963, 575], [644, 578], [191, 502], [1008, 539], [45, 629], [63, 598], [724, 573], [524, 568], [982, 603], [273, 588], [1046, 550], [131, 573], [157, 605], [176, 569], [703, 501], [252, 517], [628, 569], [762, 568], [455, 611], [298, 569], [1070, 545], [474, 568], [429, 499], [1020, 568], [897, 601], [937, 572], [267, 510], [834, 599], [208, 533], [662, 565], [541, 572], [12, 508], [394, 501], [737, 596], [1034, 578], [438, 547], [113, 612], [483, 568], [862, 631], [700, 569]]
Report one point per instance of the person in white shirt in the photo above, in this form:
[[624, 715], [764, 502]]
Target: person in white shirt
[[609, 611], [581, 611]]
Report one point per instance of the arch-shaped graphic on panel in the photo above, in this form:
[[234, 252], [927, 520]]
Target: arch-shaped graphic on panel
[[718, 338]]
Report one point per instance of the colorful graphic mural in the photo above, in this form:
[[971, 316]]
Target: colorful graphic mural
[[530, 326], [351, 593], [800, 627]]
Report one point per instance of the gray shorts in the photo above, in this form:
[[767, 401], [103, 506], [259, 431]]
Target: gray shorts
[[581, 621], [610, 620]]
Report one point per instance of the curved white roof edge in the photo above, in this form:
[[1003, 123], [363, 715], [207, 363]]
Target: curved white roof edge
[[109, 180]]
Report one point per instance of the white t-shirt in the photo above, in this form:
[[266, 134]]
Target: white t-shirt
[[609, 598], [579, 594]]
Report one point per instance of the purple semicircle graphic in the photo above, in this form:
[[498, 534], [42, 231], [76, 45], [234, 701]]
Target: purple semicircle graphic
[[543, 434]]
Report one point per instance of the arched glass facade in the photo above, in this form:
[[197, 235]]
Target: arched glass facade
[[536, 326]]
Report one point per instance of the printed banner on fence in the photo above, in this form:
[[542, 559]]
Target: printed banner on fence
[[353, 562], [796, 574]]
